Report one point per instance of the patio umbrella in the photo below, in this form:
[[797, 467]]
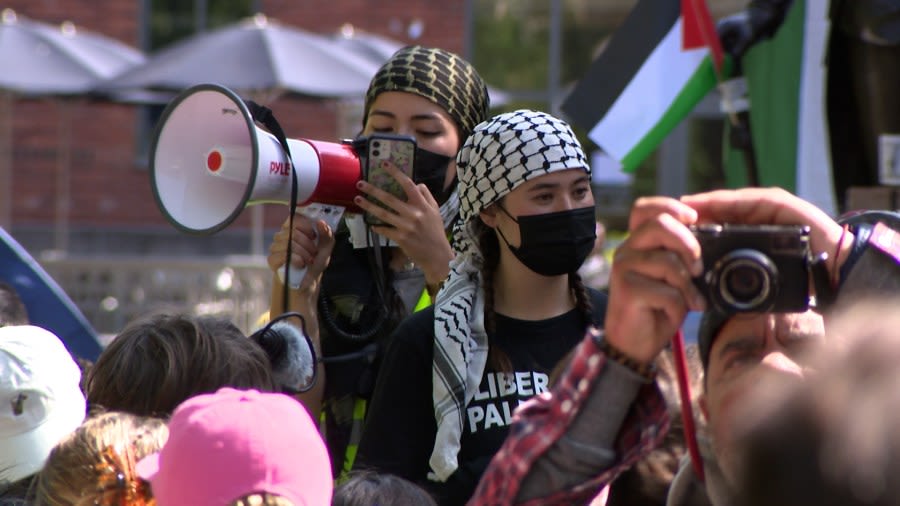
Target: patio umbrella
[[63, 61], [367, 45], [258, 57], [43, 59]]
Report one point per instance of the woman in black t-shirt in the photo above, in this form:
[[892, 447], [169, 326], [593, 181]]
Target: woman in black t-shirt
[[512, 307]]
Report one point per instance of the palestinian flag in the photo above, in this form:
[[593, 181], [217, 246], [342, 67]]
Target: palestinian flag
[[656, 67], [788, 117]]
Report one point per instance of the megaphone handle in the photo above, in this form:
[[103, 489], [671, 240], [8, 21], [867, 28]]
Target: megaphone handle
[[331, 214], [295, 274]]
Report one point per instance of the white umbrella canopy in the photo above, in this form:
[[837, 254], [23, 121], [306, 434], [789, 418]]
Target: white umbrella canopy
[[42, 59], [255, 56], [39, 59], [368, 45]]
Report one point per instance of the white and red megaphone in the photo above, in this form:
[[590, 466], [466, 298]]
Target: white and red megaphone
[[209, 160]]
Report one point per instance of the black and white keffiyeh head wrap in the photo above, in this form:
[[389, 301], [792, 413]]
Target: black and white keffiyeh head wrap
[[501, 154]]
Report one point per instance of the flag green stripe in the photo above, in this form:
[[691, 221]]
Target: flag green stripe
[[773, 71], [700, 83]]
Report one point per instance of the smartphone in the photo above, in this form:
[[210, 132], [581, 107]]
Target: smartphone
[[400, 150]]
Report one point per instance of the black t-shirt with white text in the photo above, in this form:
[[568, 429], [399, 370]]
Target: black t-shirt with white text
[[400, 425]]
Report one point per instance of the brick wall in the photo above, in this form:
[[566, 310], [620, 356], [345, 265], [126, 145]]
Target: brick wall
[[110, 194]]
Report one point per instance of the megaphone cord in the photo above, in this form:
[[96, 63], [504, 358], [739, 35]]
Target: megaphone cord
[[328, 317], [265, 116], [376, 266]]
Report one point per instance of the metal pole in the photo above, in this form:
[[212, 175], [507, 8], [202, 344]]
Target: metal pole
[[200, 17], [256, 230], [554, 57], [6, 160], [63, 176], [144, 38], [672, 162], [468, 29]]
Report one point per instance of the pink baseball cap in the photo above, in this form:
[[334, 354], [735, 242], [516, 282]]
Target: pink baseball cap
[[232, 443]]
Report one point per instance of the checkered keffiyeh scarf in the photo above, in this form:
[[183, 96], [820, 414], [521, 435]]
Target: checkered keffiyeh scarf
[[500, 155], [438, 75]]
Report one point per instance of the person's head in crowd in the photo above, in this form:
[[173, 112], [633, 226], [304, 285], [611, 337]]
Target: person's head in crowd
[[832, 441], [157, 362], [435, 96], [40, 402], [366, 488], [229, 444], [12, 309], [95, 464], [741, 352]]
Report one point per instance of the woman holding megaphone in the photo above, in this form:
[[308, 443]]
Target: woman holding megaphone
[[363, 279]]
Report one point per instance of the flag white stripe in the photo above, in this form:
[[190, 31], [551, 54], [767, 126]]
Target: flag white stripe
[[648, 96], [814, 179]]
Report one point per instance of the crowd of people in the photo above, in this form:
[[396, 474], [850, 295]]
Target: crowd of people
[[454, 355]]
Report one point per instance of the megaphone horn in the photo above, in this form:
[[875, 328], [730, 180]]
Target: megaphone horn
[[208, 160]]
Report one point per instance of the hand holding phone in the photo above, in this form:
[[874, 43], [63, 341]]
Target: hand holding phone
[[400, 151]]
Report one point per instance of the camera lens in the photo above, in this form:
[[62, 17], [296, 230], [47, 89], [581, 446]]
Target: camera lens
[[376, 153], [746, 281]]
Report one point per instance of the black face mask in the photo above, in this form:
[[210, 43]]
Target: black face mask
[[431, 170], [555, 243]]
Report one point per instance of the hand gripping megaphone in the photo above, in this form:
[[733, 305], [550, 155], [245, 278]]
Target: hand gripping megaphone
[[208, 160]]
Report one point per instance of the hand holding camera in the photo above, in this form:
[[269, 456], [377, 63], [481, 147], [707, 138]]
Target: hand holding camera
[[666, 268], [775, 206]]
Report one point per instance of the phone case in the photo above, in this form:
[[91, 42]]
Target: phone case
[[399, 150]]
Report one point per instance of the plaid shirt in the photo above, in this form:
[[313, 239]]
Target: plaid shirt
[[544, 419]]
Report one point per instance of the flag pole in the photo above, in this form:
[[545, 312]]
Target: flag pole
[[741, 135], [701, 18]]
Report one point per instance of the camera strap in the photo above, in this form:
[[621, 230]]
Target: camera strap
[[826, 291], [264, 116], [886, 240]]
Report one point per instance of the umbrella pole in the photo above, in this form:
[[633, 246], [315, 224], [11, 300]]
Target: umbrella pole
[[63, 177], [6, 131]]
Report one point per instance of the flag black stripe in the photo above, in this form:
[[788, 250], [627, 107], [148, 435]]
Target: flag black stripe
[[629, 47]]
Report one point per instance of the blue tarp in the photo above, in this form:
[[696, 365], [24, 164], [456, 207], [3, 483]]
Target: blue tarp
[[48, 305]]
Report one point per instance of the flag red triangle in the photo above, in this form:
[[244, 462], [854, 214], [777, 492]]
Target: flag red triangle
[[698, 31]]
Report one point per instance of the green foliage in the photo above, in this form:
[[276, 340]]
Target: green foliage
[[511, 47], [172, 20], [511, 43]]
